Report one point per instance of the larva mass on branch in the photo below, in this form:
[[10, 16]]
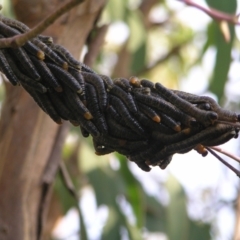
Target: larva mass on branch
[[143, 120]]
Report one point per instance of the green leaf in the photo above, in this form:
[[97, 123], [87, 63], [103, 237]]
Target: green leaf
[[137, 31], [117, 9], [156, 215], [177, 218], [199, 231], [228, 6], [134, 191], [133, 232], [139, 59], [223, 58], [107, 185], [111, 229], [179, 225]]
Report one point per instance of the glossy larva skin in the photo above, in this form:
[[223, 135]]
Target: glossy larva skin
[[50, 53], [25, 79], [210, 104], [64, 77], [123, 83], [7, 70], [124, 113], [14, 24], [25, 63], [98, 83], [60, 50], [149, 112], [93, 106], [126, 98], [46, 75], [204, 117], [142, 120]]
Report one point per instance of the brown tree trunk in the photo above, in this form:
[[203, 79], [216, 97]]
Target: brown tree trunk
[[29, 140]]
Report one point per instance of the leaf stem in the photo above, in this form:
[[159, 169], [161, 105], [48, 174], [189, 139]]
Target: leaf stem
[[214, 13]]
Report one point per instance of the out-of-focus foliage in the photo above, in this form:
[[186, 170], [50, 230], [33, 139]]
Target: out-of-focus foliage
[[223, 47], [148, 39]]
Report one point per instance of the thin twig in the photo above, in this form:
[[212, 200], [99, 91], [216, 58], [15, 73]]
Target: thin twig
[[21, 39], [214, 13], [224, 162], [225, 152], [70, 187]]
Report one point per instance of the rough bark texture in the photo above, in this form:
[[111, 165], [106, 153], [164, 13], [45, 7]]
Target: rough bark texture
[[28, 137]]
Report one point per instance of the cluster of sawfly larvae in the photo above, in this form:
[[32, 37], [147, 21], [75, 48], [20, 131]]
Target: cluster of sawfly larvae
[[144, 121]]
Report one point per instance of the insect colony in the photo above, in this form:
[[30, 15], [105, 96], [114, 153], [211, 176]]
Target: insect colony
[[144, 121]]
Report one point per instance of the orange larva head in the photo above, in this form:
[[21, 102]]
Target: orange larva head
[[134, 81]]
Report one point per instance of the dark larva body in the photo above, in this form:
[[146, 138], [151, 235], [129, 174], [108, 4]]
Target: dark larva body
[[129, 120], [59, 105], [88, 126], [169, 138], [205, 117], [148, 84], [224, 115], [119, 131], [148, 111], [66, 55], [142, 90], [165, 162], [24, 62], [45, 39], [143, 166], [14, 24], [6, 69], [125, 97], [148, 153], [98, 83], [207, 133], [50, 53], [149, 124], [74, 102], [44, 102], [220, 140], [114, 114], [31, 48], [123, 83], [23, 79], [169, 122], [85, 68], [107, 81], [93, 106], [84, 132], [78, 76], [65, 77], [163, 106], [46, 75]]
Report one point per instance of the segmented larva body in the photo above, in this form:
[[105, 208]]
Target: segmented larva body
[[144, 121]]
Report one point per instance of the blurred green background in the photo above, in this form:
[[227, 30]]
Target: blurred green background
[[181, 47]]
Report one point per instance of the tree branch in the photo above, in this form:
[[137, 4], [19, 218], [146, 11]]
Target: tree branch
[[214, 13], [224, 162], [21, 39]]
